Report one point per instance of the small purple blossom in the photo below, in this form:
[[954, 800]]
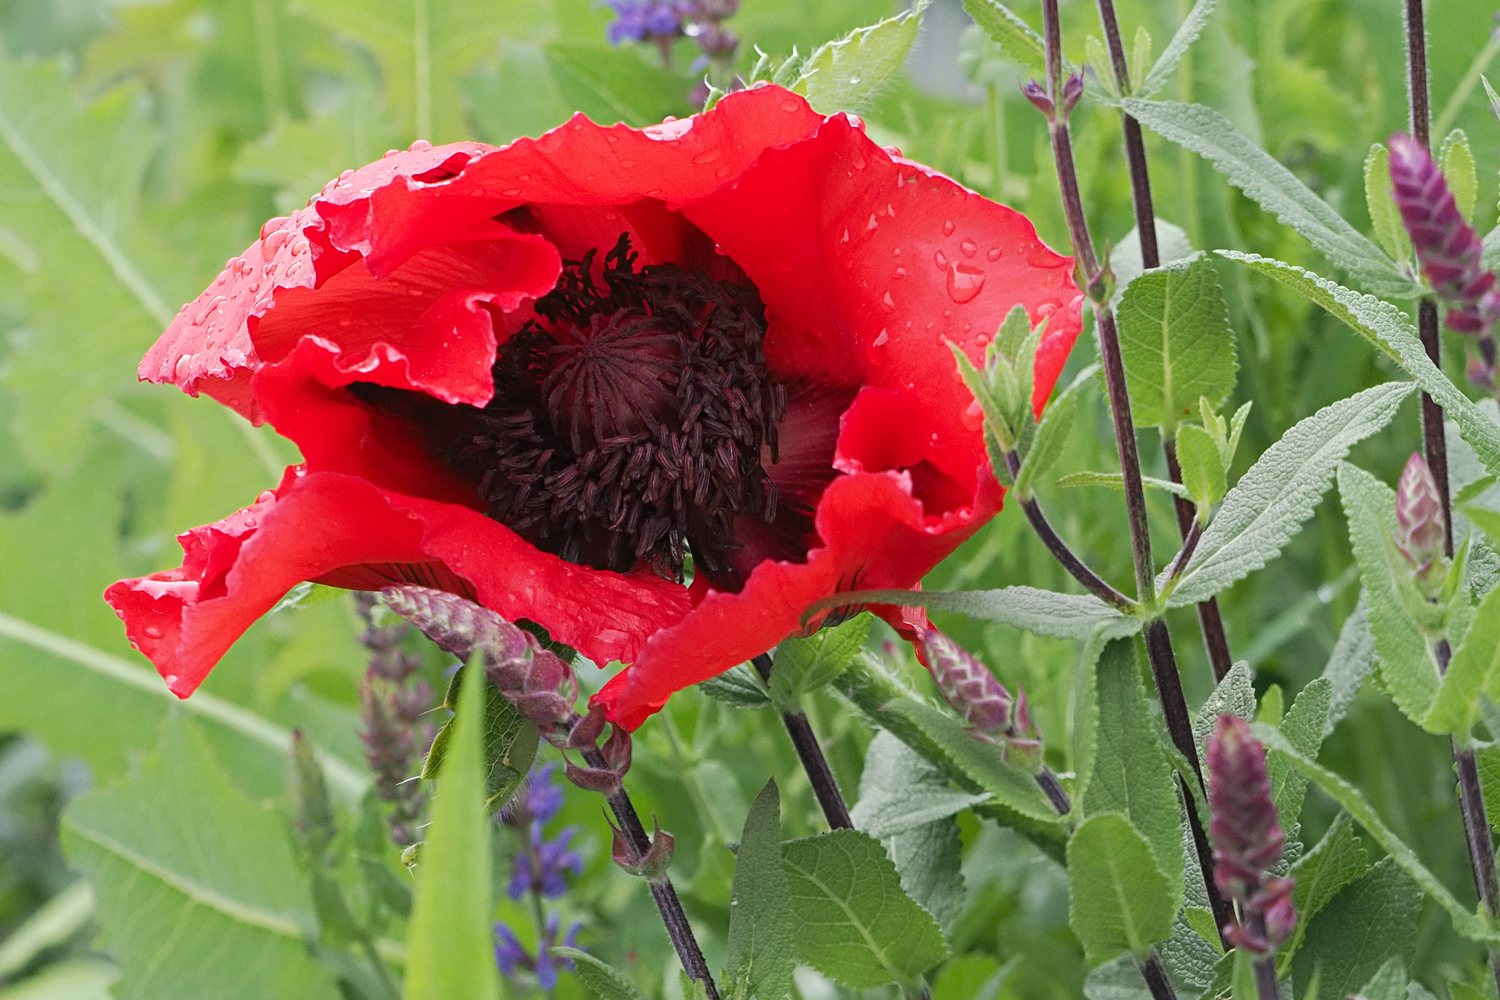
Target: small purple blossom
[[540, 865], [511, 956], [641, 20]]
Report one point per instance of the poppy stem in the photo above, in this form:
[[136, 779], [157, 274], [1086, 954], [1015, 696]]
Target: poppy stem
[[1210, 622], [810, 752], [672, 914], [1096, 286]]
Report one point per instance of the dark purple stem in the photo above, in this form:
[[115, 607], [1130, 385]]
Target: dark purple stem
[[810, 752], [1156, 978], [1053, 789], [672, 914], [1209, 619]]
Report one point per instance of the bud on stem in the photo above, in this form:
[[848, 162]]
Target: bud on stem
[[985, 704]]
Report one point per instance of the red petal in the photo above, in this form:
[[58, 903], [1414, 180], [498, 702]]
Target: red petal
[[342, 530]]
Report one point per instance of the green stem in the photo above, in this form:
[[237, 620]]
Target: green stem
[[1466, 85]]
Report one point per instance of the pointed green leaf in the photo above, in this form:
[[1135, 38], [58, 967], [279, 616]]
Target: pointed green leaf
[[1118, 900], [1270, 502], [852, 921], [899, 790], [802, 666], [1475, 667], [1051, 434], [739, 686], [1381, 202], [761, 943], [1140, 56], [1045, 612], [1264, 179], [1017, 40], [1391, 332], [1202, 465], [842, 75], [1187, 33], [1371, 921], [1116, 481], [1233, 695], [611, 84], [1131, 775], [1456, 161], [1338, 859], [607, 982], [1303, 728], [1176, 342], [1351, 661], [929, 860], [450, 944], [510, 744]]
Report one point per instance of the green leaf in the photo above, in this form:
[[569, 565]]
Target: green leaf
[[1391, 331], [51, 925], [851, 919], [607, 982], [802, 666], [1187, 33], [929, 860], [1270, 502], [1275, 188], [899, 790], [1051, 434], [842, 75], [1475, 667], [1017, 40], [1202, 465], [1140, 55], [1172, 247], [1456, 161], [1176, 342], [1233, 695], [449, 941], [1384, 216], [509, 743], [761, 942], [739, 686], [1303, 728], [1118, 899], [1321, 874], [983, 763], [197, 888], [1465, 921], [1463, 991], [614, 85], [1373, 920], [1350, 663], [1045, 612], [1406, 666], [1116, 481], [1131, 775], [69, 979], [1388, 983]]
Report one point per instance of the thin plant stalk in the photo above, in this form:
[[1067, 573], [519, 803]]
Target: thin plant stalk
[[1482, 60], [1158, 638], [1434, 444], [1210, 622], [810, 752]]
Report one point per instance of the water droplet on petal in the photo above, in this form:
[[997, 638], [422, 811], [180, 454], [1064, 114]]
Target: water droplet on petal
[[708, 155], [900, 272], [272, 225], [790, 104], [390, 152], [153, 631], [266, 496], [973, 417], [889, 304], [993, 253], [858, 161], [948, 228], [275, 241], [846, 236], [964, 282], [723, 172], [941, 260], [250, 522], [982, 340], [873, 222], [969, 248], [421, 145], [881, 340]]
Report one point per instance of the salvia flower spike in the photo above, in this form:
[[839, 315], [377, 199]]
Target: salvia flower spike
[[1420, 520], [983, 702], [1247, 838]]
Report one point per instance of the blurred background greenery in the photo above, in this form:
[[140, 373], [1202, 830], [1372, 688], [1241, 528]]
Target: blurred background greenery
[[142, 143]]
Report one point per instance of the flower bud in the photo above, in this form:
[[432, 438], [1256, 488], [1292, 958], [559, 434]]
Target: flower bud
[[651, 865], [592, 779], [617, 750], [983, 702], [1421, 522], [1072, 91], [1039, 99], [313, 818]]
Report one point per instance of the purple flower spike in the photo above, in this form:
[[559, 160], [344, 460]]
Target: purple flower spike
[[1247, 838], [512, 957], [1420, 522], [640, 20]]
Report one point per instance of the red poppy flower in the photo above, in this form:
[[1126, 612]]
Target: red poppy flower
[[545, 375]]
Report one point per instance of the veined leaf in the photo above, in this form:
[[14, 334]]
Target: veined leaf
[[1263, 178], [1017, 40], [842, 75], [1118, 900], [899, 790], [761, 943], [1045, 612], [1456, 161], [1187, 33], [852, 921], [450, 942], [1051, 434], [929, 859], [802, 666], [607, 982], [1384, 216], [1390, 331], [1172, 247], [1303, 728], [1351, 661], [1338, 859], [1475, 667], [1269, 503], [1116, 481], [1367, 924], [1465, 921], [611, 85], [739, 686], [1233, 695], [509, 744]]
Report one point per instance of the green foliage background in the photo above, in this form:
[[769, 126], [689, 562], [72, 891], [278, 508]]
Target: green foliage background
[[143, 143]]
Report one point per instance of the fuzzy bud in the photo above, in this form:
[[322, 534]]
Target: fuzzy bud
[[1420, 521], [1072, 91], [1039, 99], [983, 702], [651, 865], [313, 818], [592, 779]]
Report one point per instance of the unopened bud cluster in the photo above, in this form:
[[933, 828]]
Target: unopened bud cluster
[[1042, 101], [534, 679], [1247, 838], [983, 702], [1449, 251], [1421, 523], [392, 704]]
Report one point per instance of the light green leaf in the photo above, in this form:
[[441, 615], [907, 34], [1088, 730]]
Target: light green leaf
[[52, 924], [1202, 465], [1233, 695], [761, 942], [842, 75], [1131, 775], [1303, 728], [614, 85], [70, 979], [1406, 666], [851, 919], [929, 859], [802, 666], [1388, 983], [1456, 161], [509, 744], [899, 791], [1187, 33], [1465, 921], [1373, 920], [1384, 216], [1275, 188], [1350, 663], [607, 982], [1338, 859], [1172, 247], [1140, 55], [198, 891], [1116, 481], [1045, 612], [1270, 502], [739, 686], [983, 763], [1017, 40], [1051, 434], [1176, 342], [450, 944], [1118, 900], [1475, 667]]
